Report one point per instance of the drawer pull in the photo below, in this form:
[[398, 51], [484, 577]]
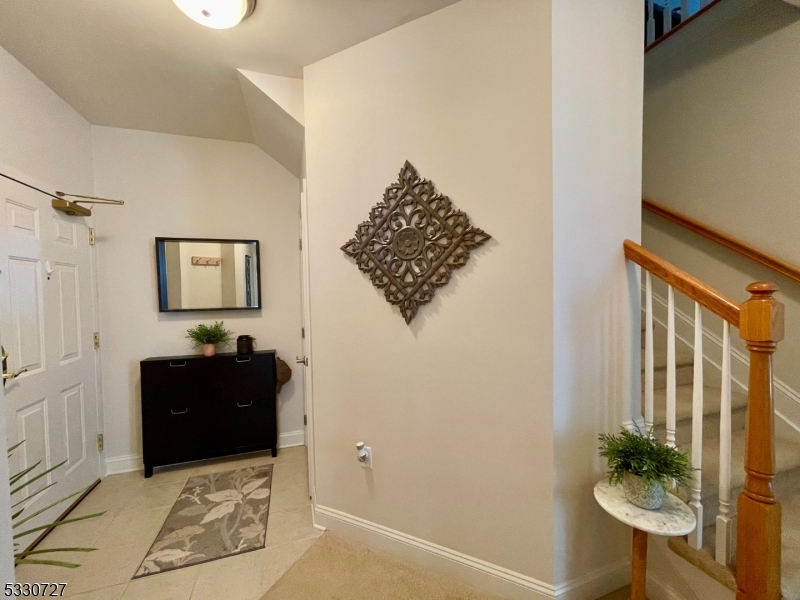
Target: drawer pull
[[240, 405], [177, 363], [178, 412], [242, 359]]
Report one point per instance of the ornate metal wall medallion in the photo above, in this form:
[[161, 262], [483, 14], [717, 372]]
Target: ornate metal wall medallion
[[413, 241]]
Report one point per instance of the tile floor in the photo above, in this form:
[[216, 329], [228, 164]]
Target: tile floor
[[135, 510]]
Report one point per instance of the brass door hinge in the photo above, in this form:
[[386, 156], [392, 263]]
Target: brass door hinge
[[301, 244], [100, 442], [91, 236], [305, 419], [96, 337]]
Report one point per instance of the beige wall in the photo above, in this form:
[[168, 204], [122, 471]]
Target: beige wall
[[176, 186], [721, 145], [456, 405], [597, 151], [200, 285]]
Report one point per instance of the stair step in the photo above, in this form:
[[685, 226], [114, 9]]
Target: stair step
[[684, 373], [684, 354], [684, 401], [787, 454], [790, 547]]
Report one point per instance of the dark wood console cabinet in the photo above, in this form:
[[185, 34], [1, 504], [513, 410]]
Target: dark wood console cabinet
[[196, 407]]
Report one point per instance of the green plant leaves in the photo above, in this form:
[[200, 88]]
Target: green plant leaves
[[23, 557], [643, 455], [209, 334]]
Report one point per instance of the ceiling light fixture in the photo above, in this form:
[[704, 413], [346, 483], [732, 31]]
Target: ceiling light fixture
[[217, 14]]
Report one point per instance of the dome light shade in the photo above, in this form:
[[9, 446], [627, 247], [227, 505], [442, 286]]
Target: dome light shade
[[217, 14]]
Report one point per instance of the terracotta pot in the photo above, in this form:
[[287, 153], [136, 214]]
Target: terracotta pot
[[209, 349], [640, 494]]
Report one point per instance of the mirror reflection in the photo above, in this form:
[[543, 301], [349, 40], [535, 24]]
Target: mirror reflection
[[207, 274]]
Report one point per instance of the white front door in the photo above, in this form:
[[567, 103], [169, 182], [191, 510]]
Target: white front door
[[47, 318], [308, 390]]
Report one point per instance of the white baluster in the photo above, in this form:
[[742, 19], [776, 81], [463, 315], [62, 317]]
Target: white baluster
[[725, 537], [649, 367], [671, 378], [695, 503], [650, 28], [684, 10], [667, 15]]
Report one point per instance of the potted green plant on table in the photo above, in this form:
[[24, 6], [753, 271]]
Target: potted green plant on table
[[209, 336], [644, 466]]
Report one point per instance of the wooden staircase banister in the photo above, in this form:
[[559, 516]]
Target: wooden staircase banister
[[782, 267], [760, 320], [715, 301]]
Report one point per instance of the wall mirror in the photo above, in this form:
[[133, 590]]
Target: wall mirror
[[207, 274]]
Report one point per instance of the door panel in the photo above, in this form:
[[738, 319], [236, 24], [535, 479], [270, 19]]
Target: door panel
[[74, 427], [26, 314], [23, 220], [65, 233], [47, 320], [33, 426], [69, 305]]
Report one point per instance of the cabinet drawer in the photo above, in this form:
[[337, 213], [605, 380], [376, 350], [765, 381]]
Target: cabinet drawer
[[245, 423], [175, 431], [174, 381], [245, 378]]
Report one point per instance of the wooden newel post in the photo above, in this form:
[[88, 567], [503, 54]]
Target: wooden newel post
[[758, 541]]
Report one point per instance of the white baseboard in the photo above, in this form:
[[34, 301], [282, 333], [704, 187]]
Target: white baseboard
[[133, 462], [292, 438], [659, 590], [124, 464], [468, 569], [787, 400]]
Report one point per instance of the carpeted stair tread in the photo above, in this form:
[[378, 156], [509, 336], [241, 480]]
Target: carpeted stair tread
[[684, 402], [684, 354], [790, 548], [790, 534], [787, 455]]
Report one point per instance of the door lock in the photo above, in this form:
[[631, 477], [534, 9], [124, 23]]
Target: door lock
[[301, 361]]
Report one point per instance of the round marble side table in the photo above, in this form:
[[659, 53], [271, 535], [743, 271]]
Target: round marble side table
[[674, 518]]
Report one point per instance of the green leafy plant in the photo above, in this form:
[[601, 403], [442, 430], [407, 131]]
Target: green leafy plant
[[18, 483], [209, 334], [645, 456]]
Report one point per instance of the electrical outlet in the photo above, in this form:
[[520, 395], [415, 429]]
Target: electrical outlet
[[367, 464]]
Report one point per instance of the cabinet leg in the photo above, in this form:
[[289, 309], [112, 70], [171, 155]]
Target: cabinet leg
[[639, 565], [148, 471], [274, 450]]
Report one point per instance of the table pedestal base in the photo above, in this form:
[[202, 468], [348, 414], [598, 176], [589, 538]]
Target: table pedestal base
[[639, 565]]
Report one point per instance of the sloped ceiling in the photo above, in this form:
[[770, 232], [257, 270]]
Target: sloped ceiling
[[143, 64], [275, 130]]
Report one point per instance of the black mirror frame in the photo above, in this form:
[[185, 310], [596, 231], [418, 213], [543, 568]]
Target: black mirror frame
[[161, 272]]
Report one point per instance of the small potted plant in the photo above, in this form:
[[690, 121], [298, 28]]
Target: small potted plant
[[208, 336], [644, 466]]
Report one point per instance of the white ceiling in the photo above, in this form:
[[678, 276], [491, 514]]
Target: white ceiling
[[142, 64]]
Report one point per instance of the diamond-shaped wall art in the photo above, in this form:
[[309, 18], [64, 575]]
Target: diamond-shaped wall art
[[413, 241]]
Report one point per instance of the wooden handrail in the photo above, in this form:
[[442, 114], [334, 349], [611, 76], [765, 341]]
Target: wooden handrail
[[771, 262], [715, 301]]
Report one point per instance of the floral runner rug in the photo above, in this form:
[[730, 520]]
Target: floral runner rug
[[216, 515]]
